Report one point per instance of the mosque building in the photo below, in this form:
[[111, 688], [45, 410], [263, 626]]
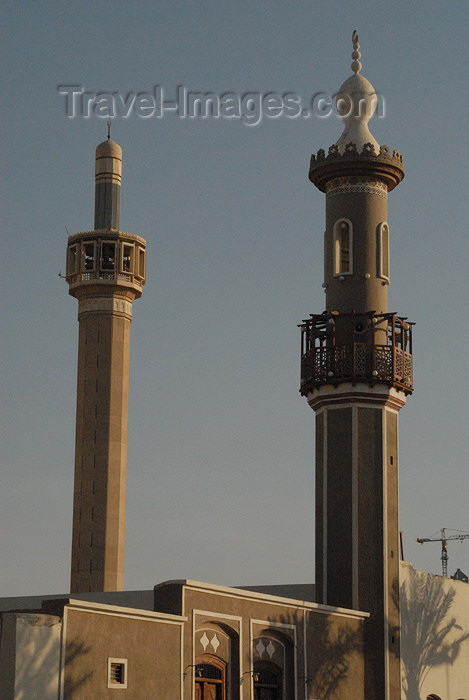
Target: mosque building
[[372, 628]]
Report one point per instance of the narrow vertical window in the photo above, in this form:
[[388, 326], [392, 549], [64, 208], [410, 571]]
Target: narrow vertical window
[[343, 247], [72, 261], [383, 251], [140, 272], [108, 256], [127, 258], [88, 256]]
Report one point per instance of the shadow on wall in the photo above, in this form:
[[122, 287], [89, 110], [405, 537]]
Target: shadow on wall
[[43, 662], [429, 636], [75, 650], [330, 656], [334, 659]]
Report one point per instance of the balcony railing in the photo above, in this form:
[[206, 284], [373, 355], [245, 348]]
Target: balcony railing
[[325, 361], [111, 275], [356, 362]]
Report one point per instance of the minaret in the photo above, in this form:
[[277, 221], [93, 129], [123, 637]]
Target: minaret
[[105, 272], [356, 371]]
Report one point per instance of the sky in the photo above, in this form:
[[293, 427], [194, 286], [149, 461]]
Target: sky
[[220, 481]]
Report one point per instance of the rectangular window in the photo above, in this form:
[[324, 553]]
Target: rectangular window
[[140, 264], [127, 258], [72, 261], [108, 256], [88, 256], [117, 673]]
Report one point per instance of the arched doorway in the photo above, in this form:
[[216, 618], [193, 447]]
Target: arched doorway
[[210, 678], [268, 681]]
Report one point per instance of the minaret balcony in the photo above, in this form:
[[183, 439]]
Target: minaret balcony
[[370, 348], [106, 257]]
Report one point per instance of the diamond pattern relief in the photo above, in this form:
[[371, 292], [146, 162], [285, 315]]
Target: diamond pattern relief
[[204, 640], [215, 643], [260, 647], [270, 649]]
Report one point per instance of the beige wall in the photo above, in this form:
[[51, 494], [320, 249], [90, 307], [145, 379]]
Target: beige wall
[[150, 642], [434, 635], [30, 656]]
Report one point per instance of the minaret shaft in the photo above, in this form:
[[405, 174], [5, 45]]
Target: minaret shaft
[[101, 447], [357, 555]]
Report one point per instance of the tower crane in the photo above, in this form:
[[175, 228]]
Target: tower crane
[[444, 546]]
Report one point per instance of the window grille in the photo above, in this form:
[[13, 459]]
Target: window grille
[[208, 671], [117, 673]]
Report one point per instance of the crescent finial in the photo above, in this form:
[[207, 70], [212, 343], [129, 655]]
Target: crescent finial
[[356, 55]]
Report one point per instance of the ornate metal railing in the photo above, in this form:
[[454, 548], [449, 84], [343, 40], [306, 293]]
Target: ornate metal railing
[[355, 362], [326, 361]]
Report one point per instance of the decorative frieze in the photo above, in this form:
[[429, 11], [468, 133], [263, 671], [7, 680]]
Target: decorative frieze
[[114, 305], [344, 185]]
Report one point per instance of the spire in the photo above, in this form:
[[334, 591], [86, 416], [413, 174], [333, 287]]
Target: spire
[[107, 184], [356, 101]]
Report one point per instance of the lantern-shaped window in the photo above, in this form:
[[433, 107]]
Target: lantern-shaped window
[[343, 247]]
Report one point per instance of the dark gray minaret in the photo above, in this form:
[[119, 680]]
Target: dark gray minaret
[[356, 371], [105, 272]]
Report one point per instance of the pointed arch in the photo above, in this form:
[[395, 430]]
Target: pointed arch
[[342, 247]]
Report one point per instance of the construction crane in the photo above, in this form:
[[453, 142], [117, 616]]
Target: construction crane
[[444, 546]]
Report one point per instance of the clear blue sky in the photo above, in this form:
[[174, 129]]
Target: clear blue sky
[[221, 445]]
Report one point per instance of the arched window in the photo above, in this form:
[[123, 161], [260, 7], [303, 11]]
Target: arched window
[[267, 681], [433, 697], [343, 247], [209, 675], [383, 251]]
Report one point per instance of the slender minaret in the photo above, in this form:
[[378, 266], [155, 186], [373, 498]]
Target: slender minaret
[[356, 371], [105, 272]]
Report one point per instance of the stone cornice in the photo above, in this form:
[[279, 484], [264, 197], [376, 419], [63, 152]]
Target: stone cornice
[[113, 234], [378, 396], [382, 166]]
